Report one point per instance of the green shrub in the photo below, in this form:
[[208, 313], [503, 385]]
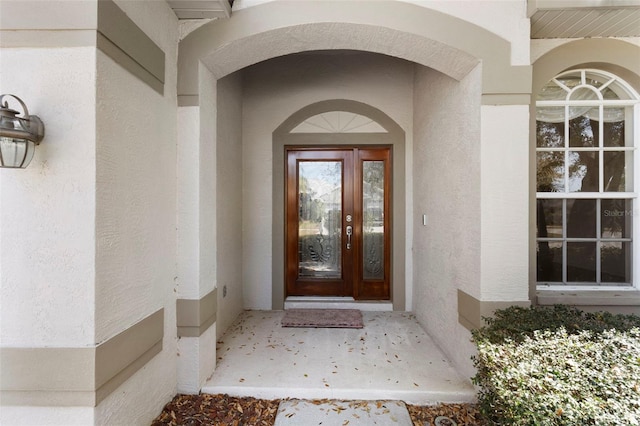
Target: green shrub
[[515, 323], [558, 366]]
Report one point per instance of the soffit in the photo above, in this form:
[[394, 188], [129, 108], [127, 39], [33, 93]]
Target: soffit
[[584, 18], [201, 9]]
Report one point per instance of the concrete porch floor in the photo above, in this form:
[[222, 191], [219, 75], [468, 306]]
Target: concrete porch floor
[[392, 357]]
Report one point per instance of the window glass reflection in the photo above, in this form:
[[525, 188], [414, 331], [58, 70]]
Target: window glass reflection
[[550, 134], [373, 220], [581, 262], [583, 127], [617, 168], [583, 171], [549, 218], [550, 171], [581, 218], [549, 261], [320, 219], [616, 262], [615, 218], [614, 129]]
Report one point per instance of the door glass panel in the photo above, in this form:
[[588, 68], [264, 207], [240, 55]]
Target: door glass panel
[[373, 220], [320, 219]]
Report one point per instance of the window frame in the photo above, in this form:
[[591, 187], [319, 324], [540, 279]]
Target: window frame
[[566, 195]]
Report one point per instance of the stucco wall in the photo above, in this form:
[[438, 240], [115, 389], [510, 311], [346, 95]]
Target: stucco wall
[[196, 361], [505, 198], [207, 184], [276, 89], [47, 210], [506, 18], [47, 239], [97, 254], [197, 230], [540, 47], [188, 151], [446, 252], [135, 199], [135, 214], [196, 255], [229, 200], [196, 209]]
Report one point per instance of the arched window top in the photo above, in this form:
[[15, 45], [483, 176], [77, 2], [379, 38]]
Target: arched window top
[[587, 85], [585, 91], [338, 122], [339, 116]]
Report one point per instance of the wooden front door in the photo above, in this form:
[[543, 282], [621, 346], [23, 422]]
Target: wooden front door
[[338, 224]]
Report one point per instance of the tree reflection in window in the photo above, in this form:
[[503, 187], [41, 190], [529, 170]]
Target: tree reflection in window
[[319, 219], [584, 179], [373, 219]]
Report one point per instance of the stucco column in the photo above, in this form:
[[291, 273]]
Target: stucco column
[[505, 202], [504, 187], [196, 281]]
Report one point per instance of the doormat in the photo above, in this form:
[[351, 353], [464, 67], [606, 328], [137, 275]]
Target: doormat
[[323, 318]]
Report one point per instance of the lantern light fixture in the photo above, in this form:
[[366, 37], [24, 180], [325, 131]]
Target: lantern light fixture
[[18, 135]]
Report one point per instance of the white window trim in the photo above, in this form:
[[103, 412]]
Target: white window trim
[[635, 250], [608, 294]]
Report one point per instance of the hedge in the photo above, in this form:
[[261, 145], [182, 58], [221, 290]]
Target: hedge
[[558, 366]]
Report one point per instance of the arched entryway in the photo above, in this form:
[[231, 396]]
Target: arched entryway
[[255, 35], [430, 38], [333, 127], [239, 79]]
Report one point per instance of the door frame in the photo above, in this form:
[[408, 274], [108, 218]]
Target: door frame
[[394, 137], [352, 280]]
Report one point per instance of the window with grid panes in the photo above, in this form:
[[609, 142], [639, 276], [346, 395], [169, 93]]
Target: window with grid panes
[[586, 154]]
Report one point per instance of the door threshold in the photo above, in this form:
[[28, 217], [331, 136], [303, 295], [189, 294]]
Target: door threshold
[[317, 302]]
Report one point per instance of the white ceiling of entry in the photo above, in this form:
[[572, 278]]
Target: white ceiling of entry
[[584, 18], [200, 9]]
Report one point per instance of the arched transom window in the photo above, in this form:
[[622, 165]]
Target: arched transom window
[[587, 180], [338, 122]]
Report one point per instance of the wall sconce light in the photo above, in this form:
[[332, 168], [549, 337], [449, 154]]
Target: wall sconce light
[[18, 135]]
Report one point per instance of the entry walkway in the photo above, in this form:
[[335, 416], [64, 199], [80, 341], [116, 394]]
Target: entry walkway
[[391, 358], [295, 412]]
